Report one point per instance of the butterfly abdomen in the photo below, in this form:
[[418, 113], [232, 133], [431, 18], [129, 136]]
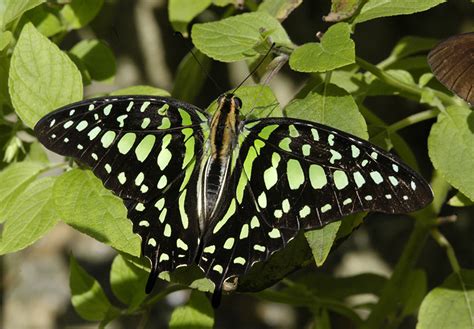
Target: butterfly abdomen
[[216, 167]]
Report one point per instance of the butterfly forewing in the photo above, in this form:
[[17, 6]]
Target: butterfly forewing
[[293, 175], [147, 151], [452, 62]]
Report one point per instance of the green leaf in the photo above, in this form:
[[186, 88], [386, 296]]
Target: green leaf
[[450, 305], [411, 45], [36, 153], [140, 90], [378, 88], [13, 9], [349, 79], [97, 58], [191, 75], [45, 21], [29, 217], [88, 297], [15, 179], [336, 49], [385, 8], [5, 38], [128, 282], [342, 9], [234, 38], [321, 241], [331, 106], [36, 86], [190, 276], [460, 200], [196, 314], [451, 148], [257, 102], [280, 9], [86, 205], [79, 13], [181, 12]]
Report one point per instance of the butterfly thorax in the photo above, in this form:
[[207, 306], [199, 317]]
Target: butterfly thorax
[[215, 168]]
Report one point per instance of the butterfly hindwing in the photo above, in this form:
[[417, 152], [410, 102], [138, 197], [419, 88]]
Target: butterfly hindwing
[[293, 174], [146, 150]]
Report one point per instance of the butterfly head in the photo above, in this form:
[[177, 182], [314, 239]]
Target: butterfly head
[[229, 103]]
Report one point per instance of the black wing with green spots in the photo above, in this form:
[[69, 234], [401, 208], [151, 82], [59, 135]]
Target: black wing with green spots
[[292, 175], [146, 150]]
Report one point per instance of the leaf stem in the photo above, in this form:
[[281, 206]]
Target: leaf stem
[[412, 119], [409, 88], [445, 244]]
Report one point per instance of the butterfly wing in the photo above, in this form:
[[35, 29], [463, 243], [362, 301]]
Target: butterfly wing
[[146, 151], [452, 63], [293, 175]]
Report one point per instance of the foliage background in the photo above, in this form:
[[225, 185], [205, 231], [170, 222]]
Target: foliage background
[[147, 52]]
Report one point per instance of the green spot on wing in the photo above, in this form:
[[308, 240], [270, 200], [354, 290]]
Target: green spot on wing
[[144, 147], [295, 174], [317, 176], [126, 142]]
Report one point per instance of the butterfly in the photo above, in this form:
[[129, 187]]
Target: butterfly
[[222, 191], [452, 63]]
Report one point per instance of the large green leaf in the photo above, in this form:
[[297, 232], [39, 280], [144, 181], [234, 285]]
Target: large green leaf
[[88, 297], [85, 204], [42, 78], [15, 179], [331, 106], [336, 49], [29, 217], [196, 314], [451, 305], [236, 38], [451, 148], [385, 8]]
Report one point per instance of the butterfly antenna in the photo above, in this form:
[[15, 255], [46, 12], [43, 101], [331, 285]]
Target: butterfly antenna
[[255, 68], [203, 69], [266, 81]]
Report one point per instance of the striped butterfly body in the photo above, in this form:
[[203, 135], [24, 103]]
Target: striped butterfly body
[[223, 192]]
